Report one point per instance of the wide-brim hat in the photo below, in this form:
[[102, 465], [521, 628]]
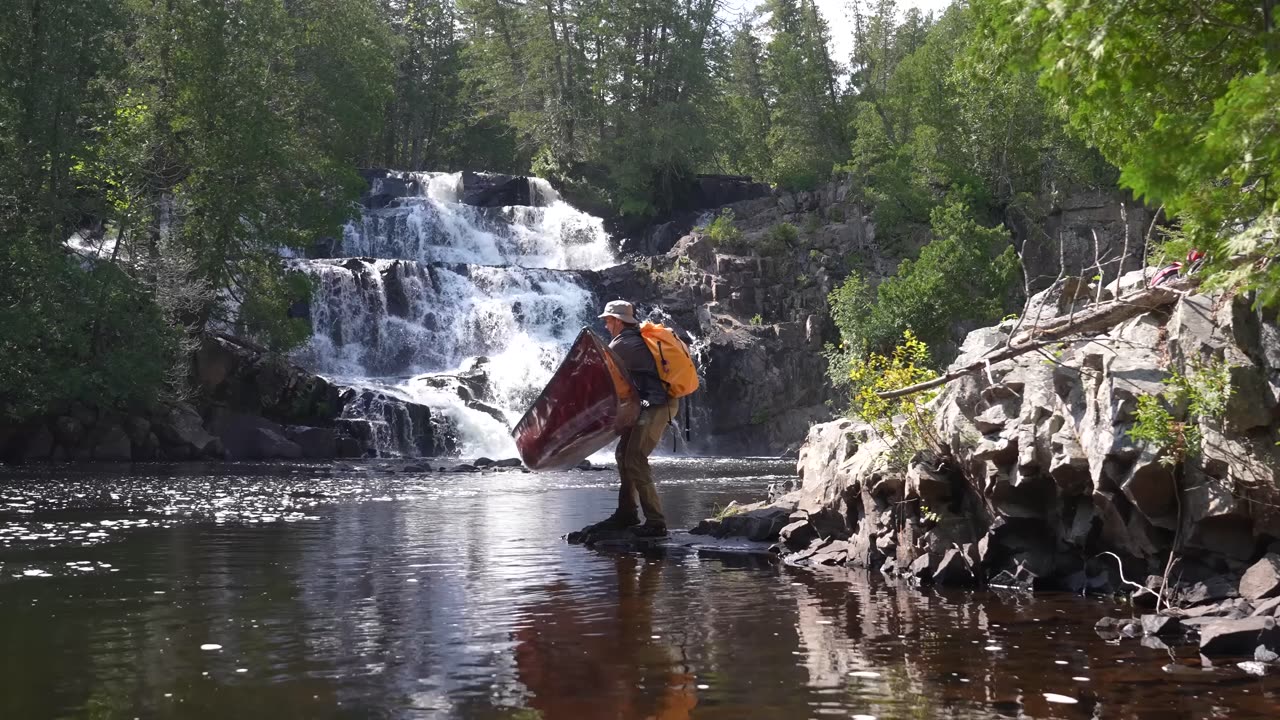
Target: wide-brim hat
[[622, 310]]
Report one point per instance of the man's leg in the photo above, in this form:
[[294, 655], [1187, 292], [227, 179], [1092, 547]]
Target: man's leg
[[644, 437], [626, 484]]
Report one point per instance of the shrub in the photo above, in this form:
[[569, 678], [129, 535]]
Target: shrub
[[1204, 391], [722, 231], [906, 365], [757, 320], [965, 274]]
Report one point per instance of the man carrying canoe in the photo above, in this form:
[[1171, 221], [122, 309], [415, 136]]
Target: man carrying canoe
[[636, 443]]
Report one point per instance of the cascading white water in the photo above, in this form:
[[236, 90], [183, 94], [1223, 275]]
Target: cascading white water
[[428, 284]]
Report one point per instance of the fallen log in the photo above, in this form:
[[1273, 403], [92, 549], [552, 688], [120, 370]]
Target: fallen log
[[1095, 320]]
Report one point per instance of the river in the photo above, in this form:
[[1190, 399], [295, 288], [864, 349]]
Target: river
[[348, 591]]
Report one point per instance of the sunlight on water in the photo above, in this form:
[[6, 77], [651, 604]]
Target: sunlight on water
[[378, 589]]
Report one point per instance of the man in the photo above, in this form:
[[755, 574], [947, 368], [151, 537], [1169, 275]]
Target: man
[[635, 443]]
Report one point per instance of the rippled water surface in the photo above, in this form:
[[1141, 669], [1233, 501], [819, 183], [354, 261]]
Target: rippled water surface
[[302, 591]]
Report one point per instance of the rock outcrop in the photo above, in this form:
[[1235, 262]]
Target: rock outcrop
[[1034, 480], [759, 308]]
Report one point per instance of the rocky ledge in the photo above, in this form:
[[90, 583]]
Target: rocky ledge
[[1035, 482]]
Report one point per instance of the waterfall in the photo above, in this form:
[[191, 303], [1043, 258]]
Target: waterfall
[[429, 300]]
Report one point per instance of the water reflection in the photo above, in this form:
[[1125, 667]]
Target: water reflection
[[447, 596], [580, 655]]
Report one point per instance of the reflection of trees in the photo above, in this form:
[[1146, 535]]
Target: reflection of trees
[[581, 657]]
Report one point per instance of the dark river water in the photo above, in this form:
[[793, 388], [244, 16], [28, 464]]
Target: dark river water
[[297, 591]]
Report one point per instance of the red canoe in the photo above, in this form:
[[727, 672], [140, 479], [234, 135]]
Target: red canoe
[[582, 409]]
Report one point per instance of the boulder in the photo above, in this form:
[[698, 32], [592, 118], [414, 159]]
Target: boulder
[[797, 535], [495, 190], [320, 443], [181, 427], [268, 444], [1239, 637], [68, 431], [953, 569], [113, 444], [1262, 580], [1159, 625]]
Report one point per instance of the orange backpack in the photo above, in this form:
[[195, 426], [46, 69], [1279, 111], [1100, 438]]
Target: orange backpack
[[671, 355]]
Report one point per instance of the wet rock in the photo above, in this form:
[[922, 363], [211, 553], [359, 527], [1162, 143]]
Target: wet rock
[[345, 446], [138, 429], [1267, 607], [922, 567], [1216, 588], [1264, 654], [797, 535], [1154, 643], [584, 465], [181, 428], [320, 443], [1262, 580], [953, 569], [482, 462], [508, 463], [464, 468], [1238, 637], [113, 444], [68, 431], [267, 444], [1159, 625], [834, 553], [1253, 667], [760, 524]]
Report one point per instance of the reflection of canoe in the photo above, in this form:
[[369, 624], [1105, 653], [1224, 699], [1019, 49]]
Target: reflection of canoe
[[584, 406]]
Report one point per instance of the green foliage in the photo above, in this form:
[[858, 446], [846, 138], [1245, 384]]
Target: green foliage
[[723, 233], [779, 239], [1197, 136], [71, 333], [1203, 392], [965, 274], [906, 421], [757, 319]]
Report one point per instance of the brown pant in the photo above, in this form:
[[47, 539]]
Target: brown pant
[[633, 462]]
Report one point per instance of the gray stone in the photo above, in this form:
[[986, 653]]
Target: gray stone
[[68, 431], [113, 444], [1159, 625], [182, 426], [36, 444], [922, 567], [271, 445], [797, 535], [1239, 637], [1262, 580], [1267, 607], [953, 569], [1154, 643], [319, 443], [1263, 654]]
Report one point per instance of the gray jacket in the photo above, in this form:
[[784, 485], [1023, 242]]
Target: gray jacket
[[638, 361]]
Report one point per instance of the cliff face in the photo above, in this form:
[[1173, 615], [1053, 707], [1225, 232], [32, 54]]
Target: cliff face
[[760, 311], [1037, 473]]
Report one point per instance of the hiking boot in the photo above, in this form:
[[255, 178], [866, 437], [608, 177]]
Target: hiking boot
[[613, 522], [649, 531]]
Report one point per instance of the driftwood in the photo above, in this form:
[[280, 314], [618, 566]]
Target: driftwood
[[1097, 319]]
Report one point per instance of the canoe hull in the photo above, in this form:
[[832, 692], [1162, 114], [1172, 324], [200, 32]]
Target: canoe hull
[[584, 406]]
